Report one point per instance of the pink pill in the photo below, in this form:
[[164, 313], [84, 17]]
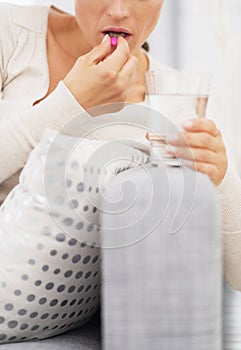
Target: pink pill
[[114, 41]]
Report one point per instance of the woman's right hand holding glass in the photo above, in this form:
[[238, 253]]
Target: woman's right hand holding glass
[[102, 76]]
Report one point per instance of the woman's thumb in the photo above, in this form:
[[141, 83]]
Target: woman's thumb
[[100, 52]]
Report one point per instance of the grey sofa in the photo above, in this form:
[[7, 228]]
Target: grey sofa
[[161, 267]]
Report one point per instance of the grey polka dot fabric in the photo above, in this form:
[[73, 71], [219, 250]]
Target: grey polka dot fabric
[[49, 241]]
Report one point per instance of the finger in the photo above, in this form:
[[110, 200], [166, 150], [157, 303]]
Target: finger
[[194, 154], [99, 52], [201, 125], [154, 137], [118, 58], [208, 169], [196, 140], [128, 71]]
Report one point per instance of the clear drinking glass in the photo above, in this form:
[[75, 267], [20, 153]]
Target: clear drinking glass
[[177, 97]]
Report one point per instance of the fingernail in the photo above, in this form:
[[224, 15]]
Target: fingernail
[[104, 39], [171, 153], [187, 124], [172, 149], [188, 163]]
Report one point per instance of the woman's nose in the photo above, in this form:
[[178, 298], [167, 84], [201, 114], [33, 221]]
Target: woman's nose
[[119, 9]]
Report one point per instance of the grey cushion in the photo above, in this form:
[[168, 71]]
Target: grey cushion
[[232, 319], [161, 273], [86, 337]]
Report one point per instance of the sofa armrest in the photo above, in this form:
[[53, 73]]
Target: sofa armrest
[[161, 262]]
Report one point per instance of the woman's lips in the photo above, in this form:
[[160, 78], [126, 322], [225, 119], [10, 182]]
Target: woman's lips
[[115, 33], [126, 37]]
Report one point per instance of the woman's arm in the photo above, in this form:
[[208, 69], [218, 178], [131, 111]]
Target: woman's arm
[[97, 78], [20, 130], [229, 196]]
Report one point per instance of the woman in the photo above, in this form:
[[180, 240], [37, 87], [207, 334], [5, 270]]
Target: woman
[[53, 66], [74, 71]]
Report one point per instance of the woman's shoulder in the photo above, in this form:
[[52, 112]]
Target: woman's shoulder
[[16, 23], [6, 13], [8, 33], [30, 17]]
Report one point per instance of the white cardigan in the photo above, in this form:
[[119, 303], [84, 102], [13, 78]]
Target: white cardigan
[[24, 79]]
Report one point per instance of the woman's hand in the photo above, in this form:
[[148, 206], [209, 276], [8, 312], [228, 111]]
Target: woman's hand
[[102, 76], [202, 148]]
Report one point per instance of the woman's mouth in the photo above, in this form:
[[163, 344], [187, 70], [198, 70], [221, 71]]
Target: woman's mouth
[[116, 33]]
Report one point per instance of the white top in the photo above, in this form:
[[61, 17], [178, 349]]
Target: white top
[[24, 79]]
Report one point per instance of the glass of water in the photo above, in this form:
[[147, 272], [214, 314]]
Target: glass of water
[[173, 97]]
